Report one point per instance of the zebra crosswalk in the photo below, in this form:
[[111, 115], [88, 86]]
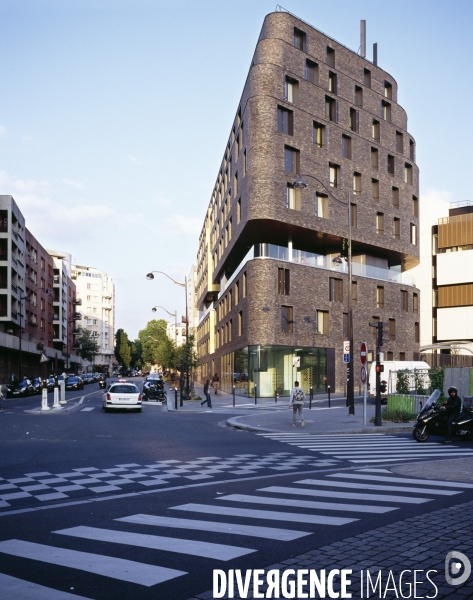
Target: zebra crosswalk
[[368, 448], [231, 529]]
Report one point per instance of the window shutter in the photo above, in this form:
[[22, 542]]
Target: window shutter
[[280, 119], [336, 111], [316, 205], [357, 121]]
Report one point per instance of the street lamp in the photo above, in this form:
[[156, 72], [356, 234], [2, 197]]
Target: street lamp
[[27, 297], [150, 276], [300, 183], [174, 314]]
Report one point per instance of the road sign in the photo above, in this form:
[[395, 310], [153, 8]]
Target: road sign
[[296, 361], [363, 353], [346, 347], [346, 358], [363, 374]]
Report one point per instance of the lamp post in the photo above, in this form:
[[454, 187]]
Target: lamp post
[[174, 314], [300, 183], [27, 297], [184, 285]]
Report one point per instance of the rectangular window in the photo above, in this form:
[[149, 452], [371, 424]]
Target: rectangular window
[[356, 184], [285, 121], [354, 215], [412, 150], [374, 158], [240, 323], [335, 290], [375, 190], [293, 199], [399, 142], [291, 160], [392, 330], [354, 120], [287, 324], [235, 185], [354, 292], [367, 78], [396, 228], [415, 303], [376, 130], [346, 146], [388, 90], [239, 210], [283, 282], [312, 71], [244, 285], [408, 173], [380, 296], [244, 163], [402, 356], [291, 90], [322, 322], [319, 135], [395, 197], [389, 355], [300, 39], [386, 111], [334, 175], [390, 164], [413, 234], [358, 96], [415, 207], [321, 206], [404, 301], [237, 293], [330, 60], [332, 82], [331, 109], [380, 223]]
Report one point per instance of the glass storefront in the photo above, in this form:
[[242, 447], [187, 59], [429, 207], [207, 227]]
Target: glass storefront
[[273, 369]]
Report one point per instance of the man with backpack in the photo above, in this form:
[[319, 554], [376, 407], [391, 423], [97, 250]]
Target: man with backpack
[[297, 402]]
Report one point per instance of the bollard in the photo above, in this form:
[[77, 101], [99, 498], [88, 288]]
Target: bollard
[[256, 395], [233, 395], [175, 398], [56, 397], [44, 398], [311, 396], [328, 390], [63, 392]]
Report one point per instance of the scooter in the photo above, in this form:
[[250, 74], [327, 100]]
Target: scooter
[[102, 384], [431, 421]]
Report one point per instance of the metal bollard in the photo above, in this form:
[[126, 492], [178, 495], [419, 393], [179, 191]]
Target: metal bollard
[[175, 398], [311, 396], [62, 387], [233, 395], [328, 390], [256, 395]]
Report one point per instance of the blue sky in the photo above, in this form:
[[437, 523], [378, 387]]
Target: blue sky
[[114, 115]]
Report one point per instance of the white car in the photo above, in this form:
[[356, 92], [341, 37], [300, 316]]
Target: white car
[[122, 395]]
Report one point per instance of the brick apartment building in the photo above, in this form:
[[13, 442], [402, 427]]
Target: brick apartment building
[[267, 288]]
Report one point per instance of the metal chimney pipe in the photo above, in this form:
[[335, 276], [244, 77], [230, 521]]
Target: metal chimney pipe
[[375, 55], [363, 38]]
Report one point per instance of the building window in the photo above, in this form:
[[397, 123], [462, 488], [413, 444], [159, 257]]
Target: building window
[[312, 71], [287, 324], [399, 142], [375, 190], [240, 323], [291, 90], [330, 60], [332, 82], [386, 111], [244, 163], [331, 109], [413, 234], [408, 173], [395, 197], [374, 158], [380, 223], [412, 150], [321, 206], [334, 175], [402, 356], [237, 293], [389, 355], [416, 333], [354, 120], [415, 207], [319, 135], [404, 301], [300, 39], [239, 210], [396, 228], [346, 146], [285, 121], [358, 96], [235, 185], [374, 329], [390, 163], [415, 303], [283, 282], [354, 292], [367, 78], [380, 296], [376, 130], [388, 90], [291, 160], [356, 184], [354, 215], [335, 289], [322, 322], [293, 198]]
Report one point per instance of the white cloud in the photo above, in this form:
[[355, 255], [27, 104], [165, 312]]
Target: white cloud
[[77, 185], [3, 131], [134, 160], [187, 225]]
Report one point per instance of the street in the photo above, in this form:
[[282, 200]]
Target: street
[[125, 505]]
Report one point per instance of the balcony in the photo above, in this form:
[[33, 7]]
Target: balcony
[[78, 302], [56, 316], [14, 315], [76, 331], [77, 316], [56, 279]]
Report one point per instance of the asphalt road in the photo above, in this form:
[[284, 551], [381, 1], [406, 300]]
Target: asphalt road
[[127, 505]]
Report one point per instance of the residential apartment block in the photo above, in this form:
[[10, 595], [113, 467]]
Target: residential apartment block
[[272, 303]]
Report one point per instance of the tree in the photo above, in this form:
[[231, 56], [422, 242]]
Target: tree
[[89, 347], [122, 348], [136, 350], [188, 357], [150, 337]]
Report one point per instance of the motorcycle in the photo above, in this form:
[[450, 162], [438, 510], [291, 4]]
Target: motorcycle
[[102, 384], [431, 421], [154, 390]]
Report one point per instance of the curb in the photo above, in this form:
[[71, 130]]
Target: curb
[[53, 411]]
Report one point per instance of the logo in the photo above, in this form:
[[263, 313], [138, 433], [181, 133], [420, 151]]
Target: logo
[[452, 569]]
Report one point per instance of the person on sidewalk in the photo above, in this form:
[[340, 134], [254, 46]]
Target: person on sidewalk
[[297, 402], [207, 394], [452, 407], [216, 382]]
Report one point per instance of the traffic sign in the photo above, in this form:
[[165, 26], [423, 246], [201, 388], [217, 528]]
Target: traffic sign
[[346, 347], [363, 353], [363, 374], [346, 358]]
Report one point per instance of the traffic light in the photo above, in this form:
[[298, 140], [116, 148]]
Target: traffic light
[[381, 327], [345, 246], [379, 368], [382, 387]]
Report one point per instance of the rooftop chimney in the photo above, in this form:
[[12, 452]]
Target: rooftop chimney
[[375, 55], [363, 38]]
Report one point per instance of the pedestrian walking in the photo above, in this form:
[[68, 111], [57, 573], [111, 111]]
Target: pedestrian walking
[[216, 382], [297, 402], [207, 394]]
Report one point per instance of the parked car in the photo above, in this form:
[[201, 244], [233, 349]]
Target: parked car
[[20, 389], [74, 383], [90, 378], [121, 395]]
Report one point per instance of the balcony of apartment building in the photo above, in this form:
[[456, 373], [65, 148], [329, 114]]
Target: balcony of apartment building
[[3, 250], [3, 221]]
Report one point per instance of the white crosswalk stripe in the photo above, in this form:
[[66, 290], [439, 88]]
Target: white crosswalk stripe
[[344, 495], [19, 589], [371, 486]]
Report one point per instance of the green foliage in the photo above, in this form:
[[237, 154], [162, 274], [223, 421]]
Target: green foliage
[[157, 347], [419, 381], [89, 347], [187, 354], [437, 376], [403, 381], [396, 416], [122, 348], [136, 350]]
